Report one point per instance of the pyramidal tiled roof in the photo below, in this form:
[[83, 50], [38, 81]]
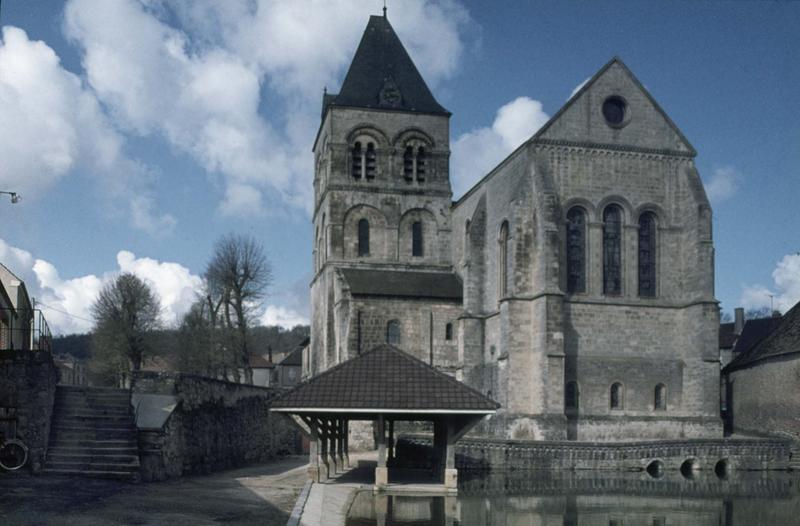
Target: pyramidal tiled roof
[[783, 340], [385, 379], [382, 75]]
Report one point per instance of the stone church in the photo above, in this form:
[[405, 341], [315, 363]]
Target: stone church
[[574, 283]]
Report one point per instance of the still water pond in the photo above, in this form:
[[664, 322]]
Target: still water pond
[[574, 499]]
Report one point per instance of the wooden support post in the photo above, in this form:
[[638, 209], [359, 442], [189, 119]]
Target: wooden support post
[[332, 445], [439, 446], [381, 472], [313, 454], [347, 443], [325, 471], [340, 444], [391, 440], [450, 471]]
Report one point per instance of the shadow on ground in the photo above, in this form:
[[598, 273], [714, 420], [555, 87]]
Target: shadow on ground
[[257, 495]]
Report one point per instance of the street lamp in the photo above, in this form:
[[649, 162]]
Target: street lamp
[[14, 196]]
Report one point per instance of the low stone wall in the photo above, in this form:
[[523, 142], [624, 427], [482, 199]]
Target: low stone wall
[[209, 425], [27, 392], [704, 454]]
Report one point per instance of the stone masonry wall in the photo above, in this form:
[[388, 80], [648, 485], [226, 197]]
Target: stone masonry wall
[[27, 392], [215, 425], [737, 454], [766, 396]]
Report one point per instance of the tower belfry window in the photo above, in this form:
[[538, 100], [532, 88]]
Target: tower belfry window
[[370, 161], [421, 164], [357, 164], [408, 163]]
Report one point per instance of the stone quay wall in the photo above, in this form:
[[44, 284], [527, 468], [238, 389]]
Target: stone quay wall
[[721, 455], [214, 425], [27, 392]]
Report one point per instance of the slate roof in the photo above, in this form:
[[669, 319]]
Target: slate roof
[[403, 284], [727, 338], [783, 340], [259, 362], [296, 356], [385, 379], [754, 331], [381, 60]]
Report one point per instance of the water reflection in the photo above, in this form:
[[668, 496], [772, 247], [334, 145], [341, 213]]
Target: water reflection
[[558, 498]]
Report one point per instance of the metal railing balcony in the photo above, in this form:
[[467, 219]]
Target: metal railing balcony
[[24, 330]]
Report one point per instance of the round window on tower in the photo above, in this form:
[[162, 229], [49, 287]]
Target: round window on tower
[[615, 111]]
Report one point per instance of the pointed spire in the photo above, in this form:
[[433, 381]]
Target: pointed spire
[[382, 75], [384, 8]]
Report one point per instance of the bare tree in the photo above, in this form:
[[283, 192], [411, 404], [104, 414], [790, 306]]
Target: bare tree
[[125, 312], [237, 278]]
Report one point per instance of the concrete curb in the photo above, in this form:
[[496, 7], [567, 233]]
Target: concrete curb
[[297, 511]]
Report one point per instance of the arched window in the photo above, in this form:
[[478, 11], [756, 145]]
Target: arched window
[[370, 161], [421, 164], [417, 249], [660, 401], [502, 261], [363, 238], [576, 250], [571, 395], [612, 250], [647, 254], [448, 332], [393, 332], [408, 163], [357, 160], [617, 396]]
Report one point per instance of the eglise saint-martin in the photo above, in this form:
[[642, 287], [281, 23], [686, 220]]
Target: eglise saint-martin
[[574, 283]]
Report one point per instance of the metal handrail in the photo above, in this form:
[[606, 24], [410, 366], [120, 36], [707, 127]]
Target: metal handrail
[[24, 330]]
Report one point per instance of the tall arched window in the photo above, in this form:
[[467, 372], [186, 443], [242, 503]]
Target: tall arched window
[[357, 160], [612, 250], [370, 161], [576, 250], [647, 254], [571, 395], [421, 159], [660, 398], [393, 332], [448, 331], [408, 163], [617, 396], [363, 238], [502, 261], [417, 249]]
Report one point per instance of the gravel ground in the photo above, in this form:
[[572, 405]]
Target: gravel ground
[[262, 495]]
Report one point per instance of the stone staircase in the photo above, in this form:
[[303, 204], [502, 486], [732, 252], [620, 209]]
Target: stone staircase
[[93, 434]]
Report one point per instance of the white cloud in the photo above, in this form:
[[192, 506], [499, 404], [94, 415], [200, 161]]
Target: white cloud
[[192, 73], [476, 152], [59, 128], [287, 318], [785, 292], [723, 184], [69, 300], [577, 88]]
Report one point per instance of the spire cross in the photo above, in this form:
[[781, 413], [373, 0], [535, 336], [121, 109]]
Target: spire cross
[[384, 8]]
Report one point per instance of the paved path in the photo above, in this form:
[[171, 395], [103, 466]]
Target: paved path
[[259, 495]]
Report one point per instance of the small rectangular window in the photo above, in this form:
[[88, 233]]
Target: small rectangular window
[[416, 239]]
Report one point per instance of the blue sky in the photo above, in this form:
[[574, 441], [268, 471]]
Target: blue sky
[[138, 131]]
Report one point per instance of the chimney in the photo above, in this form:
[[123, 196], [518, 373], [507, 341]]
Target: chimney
[[738, 323], [269, 353]]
